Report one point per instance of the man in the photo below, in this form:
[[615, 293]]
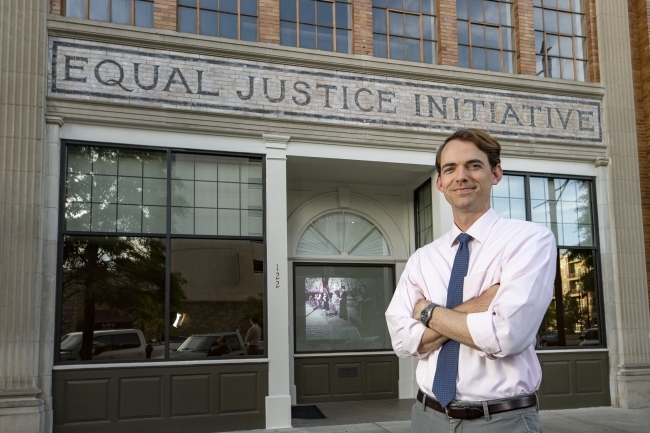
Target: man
[[253, 336], [469, 304]]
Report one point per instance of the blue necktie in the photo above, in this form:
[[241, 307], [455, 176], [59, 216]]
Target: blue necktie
[[444, 382]]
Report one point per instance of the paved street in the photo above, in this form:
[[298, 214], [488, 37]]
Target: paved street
[[393, 416]]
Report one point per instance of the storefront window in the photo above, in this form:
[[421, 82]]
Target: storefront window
[[423, 215], [404, 30], [234, 19], [486, 35], [340, 308], [566, 207], [139, 285], [322, 25], [129, 12]]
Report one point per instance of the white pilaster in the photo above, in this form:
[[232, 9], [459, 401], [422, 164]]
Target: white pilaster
[[278, 402]]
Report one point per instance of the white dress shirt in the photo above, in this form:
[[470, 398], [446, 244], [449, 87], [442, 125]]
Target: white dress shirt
[[518, 255]]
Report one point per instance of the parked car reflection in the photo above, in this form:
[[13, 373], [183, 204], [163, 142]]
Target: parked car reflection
[[216, 344], [111, 344], [591, 338]]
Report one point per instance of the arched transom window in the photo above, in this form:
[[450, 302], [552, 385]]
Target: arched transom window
[[342, 233]]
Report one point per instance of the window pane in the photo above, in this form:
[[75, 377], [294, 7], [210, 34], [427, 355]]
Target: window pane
[[491, 12], [413, 50], [103, 217], [144, 14], [567, 69], [565, 22], [251, 171], [106, 296], [463, 36], [325, 38], [251, 196], [429, 52], [553, 48], [429, 27], [507, 38], [219, 282], [154, 219], [228, 6], [288, 34], [308, 11], [428, 7], [307, 36], [229, 222], [129, 218], [577, 6], [130, 190], [396, 23], [396, 48], [463, 56], [99, 10], [539, 22], [396, 4], [461, 9], [182, 193], [210, 4], [478, 58], [478, 36], [379, 46], [75, 8], [182, 220], [492, 37], [550, 20], [581, 71], [206, 222], [578, 25], [580, 48], [577, 291], [379, 20], [228, 26], [209, 22], [550, 3], [121, 11], [206, 194], [343, 41], [248, 29], [248, 7], [251, 223], [343, 16], [329, 316], [186, 20], [476, 10], [564, 4], [324, 16], [412, 5], [566, 46], [413, 26], [288, 10], [494, 60], [540, 67], [506, 14]]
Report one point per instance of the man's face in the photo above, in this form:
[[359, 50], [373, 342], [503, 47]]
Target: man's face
[[466, 177]]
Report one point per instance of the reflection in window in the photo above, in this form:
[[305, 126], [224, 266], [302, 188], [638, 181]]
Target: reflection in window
[[560, 41], [214, 195], [404, 30], [339, 233], [486, 35], [423, 215], [341, 308], [234, 19], [113, 298], [129, 12], [222, 292], [111, 190], [318, 24], [508, 198]]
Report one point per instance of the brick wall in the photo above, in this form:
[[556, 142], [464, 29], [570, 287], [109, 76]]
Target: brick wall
[[525, 37], [362, 27], [56, 7], [164, 14], [592, 40], [638, 11], [269, 13], [447, 33]]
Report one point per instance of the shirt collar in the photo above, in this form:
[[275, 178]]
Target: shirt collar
[[478, 230]]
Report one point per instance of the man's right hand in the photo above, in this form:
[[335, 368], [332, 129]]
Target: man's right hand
[[479, 304]]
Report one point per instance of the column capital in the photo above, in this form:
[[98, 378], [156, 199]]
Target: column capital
[[275, 141], [601, 161], [53, 119]]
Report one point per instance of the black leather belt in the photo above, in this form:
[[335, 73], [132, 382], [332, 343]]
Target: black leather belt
[[474, 411]]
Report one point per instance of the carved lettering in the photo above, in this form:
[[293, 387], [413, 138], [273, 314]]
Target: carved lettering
[[442, 111], [266, 91], [382, 99], [241, 96], [303, 92], [173, 80], [510, 114], [564, 121], [136, 75], [584, 116], [200, 91], [327, 88], [532, 109], [474, 103], [356, 99], [68, 66], [111, 82]]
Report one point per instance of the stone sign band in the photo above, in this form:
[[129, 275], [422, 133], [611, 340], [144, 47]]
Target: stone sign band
[[106, 72]]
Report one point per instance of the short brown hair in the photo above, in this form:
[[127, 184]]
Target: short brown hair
[[484, 141]]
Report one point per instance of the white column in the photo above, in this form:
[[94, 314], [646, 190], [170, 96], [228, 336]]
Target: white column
[[50, 231], [278, 402]]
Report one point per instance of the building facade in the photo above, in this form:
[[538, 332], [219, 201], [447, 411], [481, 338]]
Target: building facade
[[206, 204]]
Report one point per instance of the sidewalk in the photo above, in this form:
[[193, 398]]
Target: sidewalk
[[394, 416]]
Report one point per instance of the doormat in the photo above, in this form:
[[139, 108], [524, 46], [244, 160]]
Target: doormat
[[307, 412]]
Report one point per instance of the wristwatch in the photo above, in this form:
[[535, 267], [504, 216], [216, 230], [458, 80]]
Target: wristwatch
[[425, 315]]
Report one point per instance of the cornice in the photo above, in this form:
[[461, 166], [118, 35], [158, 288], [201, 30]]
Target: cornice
[[263, 52]]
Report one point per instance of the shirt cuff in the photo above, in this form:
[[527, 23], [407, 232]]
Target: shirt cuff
[[415, 338], [481, 329]]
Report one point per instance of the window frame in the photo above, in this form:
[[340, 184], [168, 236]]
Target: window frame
[[167, 236], [198, 20], [416, 205], [422, 40], [558, 34], [595, 248], [64, 12], [334, 26], [486, 24], [334, 264]]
